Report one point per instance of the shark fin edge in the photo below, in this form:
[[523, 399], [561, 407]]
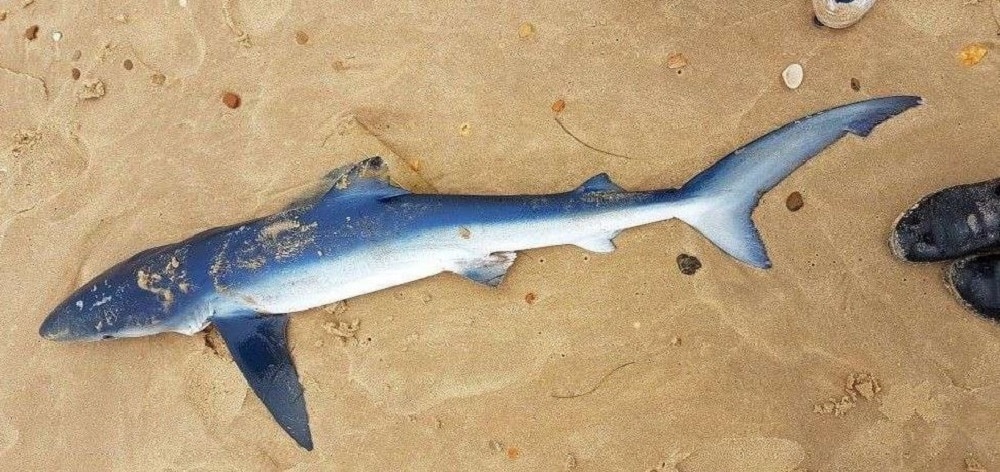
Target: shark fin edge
[[730, 189], [259, 346], [598, 244], [489, 270], [732, 230], [599, 183], [366, 178]]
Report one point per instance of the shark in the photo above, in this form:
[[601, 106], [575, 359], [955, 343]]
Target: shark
[[362, 233]]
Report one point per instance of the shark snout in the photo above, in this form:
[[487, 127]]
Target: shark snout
[[49, 330], [63, 324]]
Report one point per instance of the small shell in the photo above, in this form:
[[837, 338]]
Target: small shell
[[840, 14], [792, 75]]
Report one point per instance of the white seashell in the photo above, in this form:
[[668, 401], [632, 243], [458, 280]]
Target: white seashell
[[792, 75], [841, 14]]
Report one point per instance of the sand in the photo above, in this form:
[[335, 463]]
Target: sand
[[839, 358]]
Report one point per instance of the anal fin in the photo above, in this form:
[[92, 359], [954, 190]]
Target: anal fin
[[600, 244], [259, 346], [488, 270]]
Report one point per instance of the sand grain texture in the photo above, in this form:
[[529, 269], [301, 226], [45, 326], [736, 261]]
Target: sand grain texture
[[726, 365]]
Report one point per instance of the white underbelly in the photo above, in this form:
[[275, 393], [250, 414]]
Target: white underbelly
[[338, 277], [325, 282]]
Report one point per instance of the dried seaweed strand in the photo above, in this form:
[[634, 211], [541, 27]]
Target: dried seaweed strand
[[596, 385], [592, 148]]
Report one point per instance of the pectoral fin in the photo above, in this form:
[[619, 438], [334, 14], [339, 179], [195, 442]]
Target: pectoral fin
[[488, 270], [259, 346]]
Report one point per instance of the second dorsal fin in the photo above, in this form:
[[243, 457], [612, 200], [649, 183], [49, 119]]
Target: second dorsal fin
[[599, 183]]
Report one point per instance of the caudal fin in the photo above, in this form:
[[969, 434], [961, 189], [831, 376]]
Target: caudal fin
[[732, 187]]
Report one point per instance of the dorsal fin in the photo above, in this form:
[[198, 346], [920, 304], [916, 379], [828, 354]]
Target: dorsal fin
[[599, 183], [367, 178]]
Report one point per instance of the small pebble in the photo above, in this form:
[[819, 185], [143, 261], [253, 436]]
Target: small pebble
[[158, 79], [56, 36], [128, 64], [676, 61], [231, 100], [75, 73], [688, 264], [794, 201], [301, 37], [31, 33], [972, 54], [525, 31], [855, 84], [558, 105], [793, 75]]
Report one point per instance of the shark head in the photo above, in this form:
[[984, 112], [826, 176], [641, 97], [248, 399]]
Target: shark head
[[145, 295]]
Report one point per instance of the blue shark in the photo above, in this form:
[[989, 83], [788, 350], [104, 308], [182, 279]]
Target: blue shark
[[363, 234]]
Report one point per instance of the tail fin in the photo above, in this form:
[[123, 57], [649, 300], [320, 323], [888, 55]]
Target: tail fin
[[732, 187]]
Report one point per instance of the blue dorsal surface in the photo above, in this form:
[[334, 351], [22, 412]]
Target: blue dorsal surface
[[361, 234]]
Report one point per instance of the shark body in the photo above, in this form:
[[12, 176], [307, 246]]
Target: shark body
[[365, 234]]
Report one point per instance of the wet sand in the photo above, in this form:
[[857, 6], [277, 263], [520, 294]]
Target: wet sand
[[838, 358]]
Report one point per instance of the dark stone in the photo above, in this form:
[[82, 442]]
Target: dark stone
[[794, 202], [688, 264]]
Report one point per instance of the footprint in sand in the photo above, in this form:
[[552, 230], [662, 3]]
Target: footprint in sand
[[257, 17], [408, 375], [760, 454], [39, 165], [8, 435], [166, 38]]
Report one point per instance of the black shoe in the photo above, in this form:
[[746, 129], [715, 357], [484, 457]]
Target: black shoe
[[954, 222], [976, 281]]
